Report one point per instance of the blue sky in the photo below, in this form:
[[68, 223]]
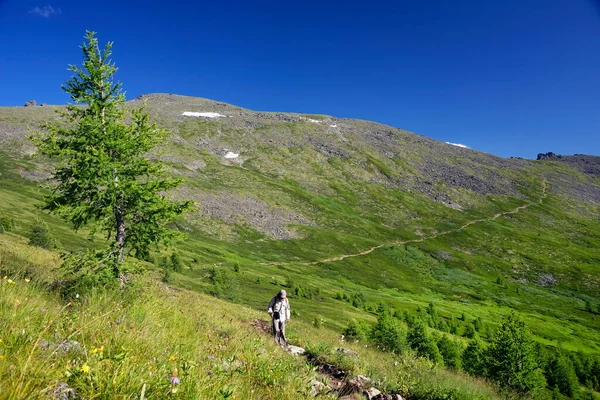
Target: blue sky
[[512, 78]]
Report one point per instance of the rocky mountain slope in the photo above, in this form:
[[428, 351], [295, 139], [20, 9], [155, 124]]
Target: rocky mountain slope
[[285, 195]]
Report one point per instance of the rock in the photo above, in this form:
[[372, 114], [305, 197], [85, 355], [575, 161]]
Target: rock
[[371, 393], [62, 391], [65, 346], [294, 350], [546, 280], [30, 103], [347, 352], [317, 387], [43, 105], [382, 396]]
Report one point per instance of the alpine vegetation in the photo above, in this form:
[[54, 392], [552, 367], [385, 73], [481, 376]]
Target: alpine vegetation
[[102, 174]]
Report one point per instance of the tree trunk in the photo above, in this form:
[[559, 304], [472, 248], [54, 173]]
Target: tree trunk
[[119, 220], [120, 238]]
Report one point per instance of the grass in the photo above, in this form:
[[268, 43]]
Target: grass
[[357, 201], [134, 341]]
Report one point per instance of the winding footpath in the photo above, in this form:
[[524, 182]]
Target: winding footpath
[[422, 239]]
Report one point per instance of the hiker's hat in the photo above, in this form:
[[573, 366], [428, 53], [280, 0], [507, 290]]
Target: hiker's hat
[[282, 294]]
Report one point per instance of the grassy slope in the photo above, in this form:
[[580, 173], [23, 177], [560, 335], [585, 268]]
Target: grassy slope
[[355, 206], [153, 330]]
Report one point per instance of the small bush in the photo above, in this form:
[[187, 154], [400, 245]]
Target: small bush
[[473, 358], [176, 263], [450, 352], [236, 267], [6, 224], [93, 269], [41, 236], [388, 334], [560, 374], [421, 341], [356, 330], [223, 285], [167, 276]]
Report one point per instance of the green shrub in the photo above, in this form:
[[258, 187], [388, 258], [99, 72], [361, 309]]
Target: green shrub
[[450, 352], [93, 269], [167, 276], [560, 373], [318, 322], [223, 285], [6, 224], [388, 334], [41, 236], [421, 341], [236, 267], [356, 330], [473, 358], [176, 263], [511, 358]]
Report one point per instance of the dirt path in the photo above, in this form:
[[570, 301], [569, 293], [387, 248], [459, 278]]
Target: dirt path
[[422, 239]]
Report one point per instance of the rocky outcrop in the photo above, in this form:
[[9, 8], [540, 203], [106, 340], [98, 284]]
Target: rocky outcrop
[[30, 103], [585, 163]]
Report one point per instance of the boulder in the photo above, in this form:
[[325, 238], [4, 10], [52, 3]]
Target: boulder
[[30, 103], [371, 393], [347, 352], [294, 350]]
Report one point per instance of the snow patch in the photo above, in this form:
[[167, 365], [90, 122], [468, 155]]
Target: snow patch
[[314, 121], [333, 126], [459, 145], [231, 154], [202, 114]]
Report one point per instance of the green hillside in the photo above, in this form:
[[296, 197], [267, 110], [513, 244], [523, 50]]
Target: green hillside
[[353, 218]]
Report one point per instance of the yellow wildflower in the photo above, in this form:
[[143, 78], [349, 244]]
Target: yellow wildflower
[[1, 357], [11, 281], [85, 368], [4, 277], [27, 280], [172, 358], [1, 340]]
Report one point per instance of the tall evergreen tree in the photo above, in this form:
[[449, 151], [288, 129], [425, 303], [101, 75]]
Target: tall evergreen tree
[[102, 174], [512, 359]]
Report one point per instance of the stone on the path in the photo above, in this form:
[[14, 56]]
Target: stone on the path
[[348, 352], [357, 384], [294, 350], [371, 393], [317, 387]]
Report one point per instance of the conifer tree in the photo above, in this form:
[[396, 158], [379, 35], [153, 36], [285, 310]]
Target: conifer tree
[[102, 174], [512, 359], [560, 373], [473, 358]]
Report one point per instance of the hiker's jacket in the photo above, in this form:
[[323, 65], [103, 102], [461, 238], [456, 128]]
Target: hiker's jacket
[[281, 306]]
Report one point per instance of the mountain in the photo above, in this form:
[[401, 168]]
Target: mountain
[[354, 216]]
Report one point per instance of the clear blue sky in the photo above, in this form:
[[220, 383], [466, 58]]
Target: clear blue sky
[[512, 77]]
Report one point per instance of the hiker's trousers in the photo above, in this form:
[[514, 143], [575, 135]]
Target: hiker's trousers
[[279, 331]]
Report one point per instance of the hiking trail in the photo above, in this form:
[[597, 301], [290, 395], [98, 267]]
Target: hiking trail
[[422, 239]]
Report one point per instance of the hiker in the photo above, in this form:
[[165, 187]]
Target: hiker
[[279, 310]]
